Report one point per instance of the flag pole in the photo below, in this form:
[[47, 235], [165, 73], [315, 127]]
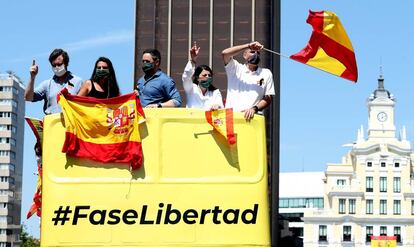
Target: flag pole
[[274, 52]]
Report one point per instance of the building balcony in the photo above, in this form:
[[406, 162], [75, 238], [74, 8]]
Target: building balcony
[[346, 190], [347, 243]]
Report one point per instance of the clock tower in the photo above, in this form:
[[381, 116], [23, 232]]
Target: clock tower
[[381, 113]]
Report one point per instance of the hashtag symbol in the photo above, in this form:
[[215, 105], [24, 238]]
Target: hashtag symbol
[[62, 215]]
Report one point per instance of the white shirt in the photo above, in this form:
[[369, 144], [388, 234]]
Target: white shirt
[[246, 88], [195, 98]]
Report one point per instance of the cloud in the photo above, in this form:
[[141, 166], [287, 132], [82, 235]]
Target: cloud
[[119, 37], [107, 39]]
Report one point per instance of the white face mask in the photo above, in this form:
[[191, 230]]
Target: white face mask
[[59, 70]]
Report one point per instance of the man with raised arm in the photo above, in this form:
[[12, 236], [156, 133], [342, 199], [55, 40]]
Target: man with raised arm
[[48, 89], [249, 87]]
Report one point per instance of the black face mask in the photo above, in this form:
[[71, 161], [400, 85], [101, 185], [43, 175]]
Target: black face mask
[[254, 59], [147, 67], [101, 73]]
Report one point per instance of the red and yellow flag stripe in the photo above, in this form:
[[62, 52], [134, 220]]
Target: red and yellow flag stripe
[[104, 130], [329, 47]]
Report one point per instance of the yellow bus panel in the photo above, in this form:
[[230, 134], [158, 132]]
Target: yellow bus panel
[[192, 190]]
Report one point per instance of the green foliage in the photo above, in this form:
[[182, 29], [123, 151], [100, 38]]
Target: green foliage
[[27, 240]]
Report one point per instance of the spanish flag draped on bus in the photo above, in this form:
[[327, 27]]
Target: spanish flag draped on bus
[[104, 130], [329, 48], [222, 121]]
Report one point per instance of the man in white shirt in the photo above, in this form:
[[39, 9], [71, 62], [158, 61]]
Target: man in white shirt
[[249, 87]]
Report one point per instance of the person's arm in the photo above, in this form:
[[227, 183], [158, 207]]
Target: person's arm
[[263, 104], [217, 100], [29, 91], [86, 88], [170, 92], [234, 50], [173, 95], [190, 67], [169, 103], [187, 76]]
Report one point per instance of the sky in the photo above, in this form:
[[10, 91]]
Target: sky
[[319, 112]]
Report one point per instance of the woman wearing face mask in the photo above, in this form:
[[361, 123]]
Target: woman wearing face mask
[[198, 86], [103, 82]]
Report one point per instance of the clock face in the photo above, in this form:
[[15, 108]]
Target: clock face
[[382, 116]]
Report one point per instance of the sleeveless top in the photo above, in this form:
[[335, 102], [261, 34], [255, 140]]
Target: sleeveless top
[[97, 94]]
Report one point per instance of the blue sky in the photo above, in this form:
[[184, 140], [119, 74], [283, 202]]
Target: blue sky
[[319, 112]]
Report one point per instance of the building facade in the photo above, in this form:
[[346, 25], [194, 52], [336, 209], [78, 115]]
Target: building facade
[[295, 198], [371, 192], [12, 110]]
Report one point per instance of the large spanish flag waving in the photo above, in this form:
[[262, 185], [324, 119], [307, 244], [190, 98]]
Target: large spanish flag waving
[[329, 47], [104, 130], [222, 121]]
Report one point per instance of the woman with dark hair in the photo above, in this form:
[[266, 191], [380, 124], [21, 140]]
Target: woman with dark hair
[[198, 85], [103, 82]]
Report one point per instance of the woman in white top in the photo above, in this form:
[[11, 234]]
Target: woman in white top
[[198, 86]]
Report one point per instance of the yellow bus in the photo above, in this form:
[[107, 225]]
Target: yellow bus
[[193, 188]]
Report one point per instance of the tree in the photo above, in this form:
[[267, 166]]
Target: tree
[[27, 240]]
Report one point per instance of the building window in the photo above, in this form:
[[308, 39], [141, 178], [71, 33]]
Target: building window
[[7, 179], [6, 193], [397, 184], [397, 207], [397, 233], [383, 184], [8, 140], [369, 206], [412, 207], [347, 233], [8, 127], [383, 231], [382, 164], [340, 182], [369, 184], [383, 206], [342, 206], [301, 203], [8, 153], [8, 115], [369, 164], [6, 219], [369, 233], [323, 233], [7, 166], [396, 164], [352, 203], [9, 102]]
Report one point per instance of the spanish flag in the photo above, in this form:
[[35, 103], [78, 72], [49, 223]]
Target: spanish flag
[[36, 207], [104, 130], [385, 241], [222, 121], [329, 48], [37, 127]]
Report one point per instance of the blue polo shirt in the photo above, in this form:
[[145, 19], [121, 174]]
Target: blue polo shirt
[[159, 88], [49, 89]]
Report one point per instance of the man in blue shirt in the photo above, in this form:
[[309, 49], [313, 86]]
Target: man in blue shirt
[[155, 88], [48, 89]]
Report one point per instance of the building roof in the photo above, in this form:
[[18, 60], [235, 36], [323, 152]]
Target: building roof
[[301, 184]]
